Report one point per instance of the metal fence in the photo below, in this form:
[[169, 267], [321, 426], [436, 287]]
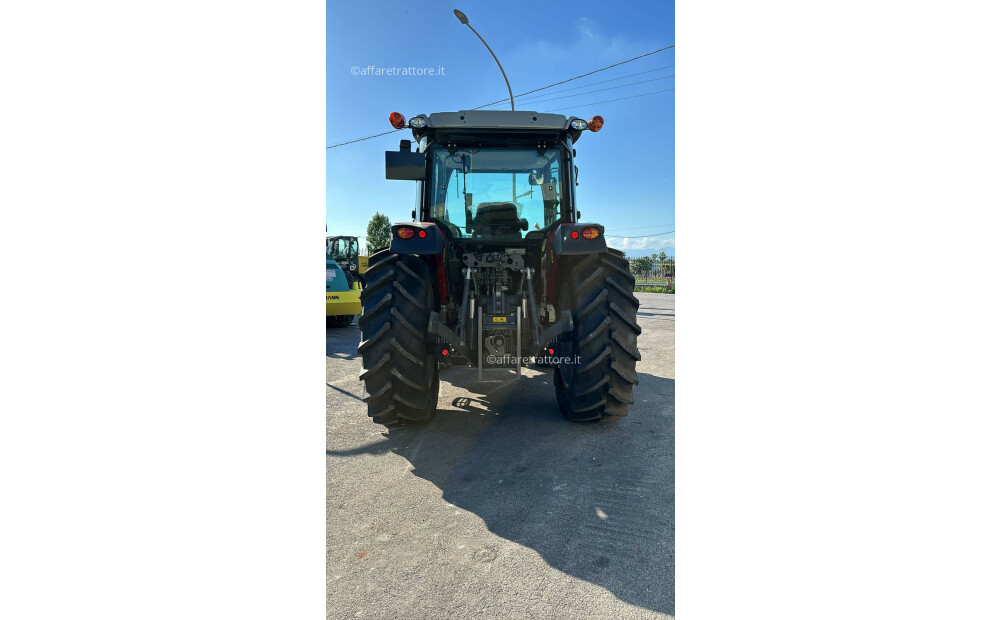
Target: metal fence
[[652, 271]]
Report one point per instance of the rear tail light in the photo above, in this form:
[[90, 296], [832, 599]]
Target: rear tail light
[[422, 234], [405, 232], [552, 351], [444, 352], [591, 233], [398, 121], [596, 123], [574, 235]]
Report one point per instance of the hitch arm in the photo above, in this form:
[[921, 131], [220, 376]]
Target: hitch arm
[[465, 304], [536, 325], [435, 327], [563, 325]]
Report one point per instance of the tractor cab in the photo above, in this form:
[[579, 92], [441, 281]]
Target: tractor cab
[[492, 176], [344, 250]]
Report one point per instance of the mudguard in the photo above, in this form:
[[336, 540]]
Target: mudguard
[[431, 243], [563, 243]]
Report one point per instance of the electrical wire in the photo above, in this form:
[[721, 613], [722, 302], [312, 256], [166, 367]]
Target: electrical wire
[[610, 100], [566, 90], [579, 76], [588, 92], [638, 227], [366, 138], [533, 98], [640, 236]]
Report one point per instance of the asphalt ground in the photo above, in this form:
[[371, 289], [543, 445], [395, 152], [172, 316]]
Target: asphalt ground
[[500, 508]]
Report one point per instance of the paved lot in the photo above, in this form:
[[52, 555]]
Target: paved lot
[[499, 508]]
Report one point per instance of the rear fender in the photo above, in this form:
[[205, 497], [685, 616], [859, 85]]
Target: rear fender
[[431, 244], [560, 246], [564, 244]]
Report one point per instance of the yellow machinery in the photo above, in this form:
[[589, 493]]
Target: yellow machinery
[[343, 289]]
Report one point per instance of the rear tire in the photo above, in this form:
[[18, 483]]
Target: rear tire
[[399, 368], [605, 332]]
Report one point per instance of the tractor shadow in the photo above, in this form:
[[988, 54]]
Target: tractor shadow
[[654, 314], [595, 500], [342, 342]]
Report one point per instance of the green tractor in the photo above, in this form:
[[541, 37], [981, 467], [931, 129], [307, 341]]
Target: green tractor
[[496, 269]]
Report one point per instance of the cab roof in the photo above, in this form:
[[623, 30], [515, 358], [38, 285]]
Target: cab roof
[[497, 120]]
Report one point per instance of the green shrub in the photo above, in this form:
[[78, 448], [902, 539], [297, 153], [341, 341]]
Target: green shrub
[[654, 289]]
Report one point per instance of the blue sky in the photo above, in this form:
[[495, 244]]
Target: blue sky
[[626, 170]]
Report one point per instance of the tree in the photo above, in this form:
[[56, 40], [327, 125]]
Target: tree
[[378, 233], [660, 264], [642, 265], [654, 265]]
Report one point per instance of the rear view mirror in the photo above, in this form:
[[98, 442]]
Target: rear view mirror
[[404, 166]]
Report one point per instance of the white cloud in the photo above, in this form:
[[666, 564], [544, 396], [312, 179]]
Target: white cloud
[[585, 27], [588, 43]]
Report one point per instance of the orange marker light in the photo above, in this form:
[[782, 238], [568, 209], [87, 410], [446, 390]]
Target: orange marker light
[[596, 123], [591, 233], [422, 234], [405, 233], [398, 121]]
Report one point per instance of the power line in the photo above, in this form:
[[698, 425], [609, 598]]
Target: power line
[[366, 138], [610, 100], [641, 236], [566, 90], [588, 92], [638, 227], [553, 99], [579, 76]]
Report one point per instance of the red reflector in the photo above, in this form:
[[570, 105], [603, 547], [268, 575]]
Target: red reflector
[[422, 234], [444, 352], [591, 233], [552, 351], [396, 120], [405, 233], [596, 123], [574, 234]]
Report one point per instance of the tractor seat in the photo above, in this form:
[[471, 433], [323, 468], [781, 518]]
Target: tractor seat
[[498, 220]]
